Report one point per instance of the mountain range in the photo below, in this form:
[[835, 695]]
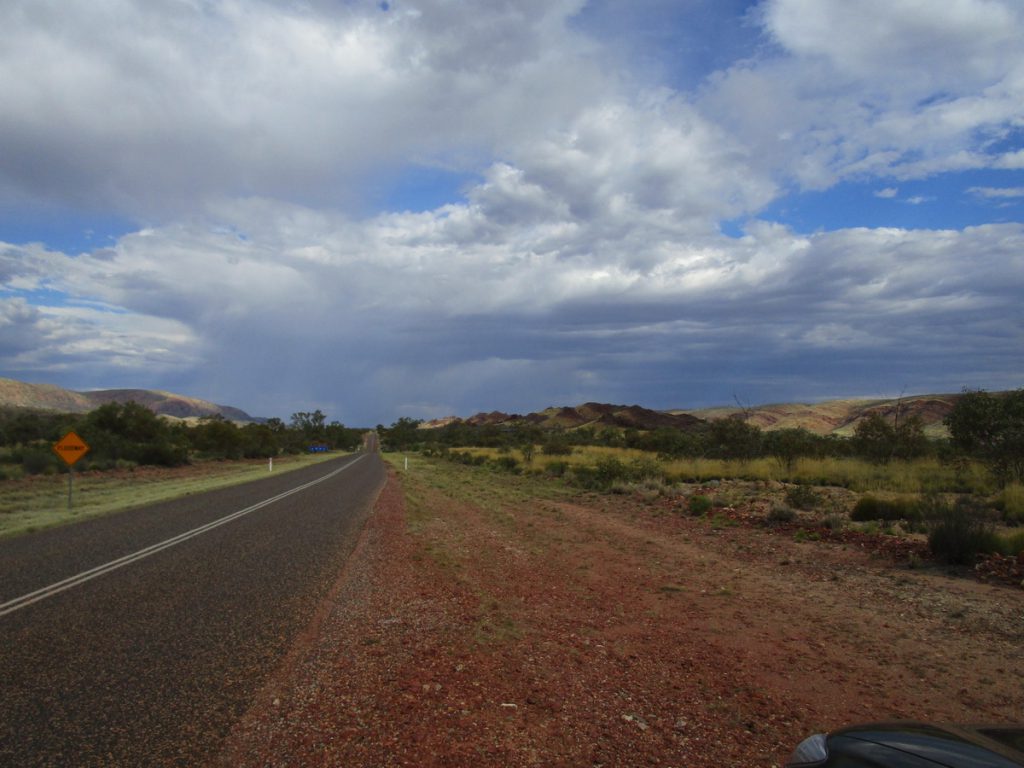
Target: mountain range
[[838, 417], [47, 397]]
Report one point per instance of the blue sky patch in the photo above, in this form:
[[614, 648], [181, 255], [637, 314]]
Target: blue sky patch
[[64, 230], [419, 188], [949, 201]]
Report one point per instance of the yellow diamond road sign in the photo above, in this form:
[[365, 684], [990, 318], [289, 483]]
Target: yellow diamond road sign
[[70, 448]]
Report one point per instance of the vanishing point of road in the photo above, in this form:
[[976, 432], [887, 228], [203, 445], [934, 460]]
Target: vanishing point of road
[[179, 613]]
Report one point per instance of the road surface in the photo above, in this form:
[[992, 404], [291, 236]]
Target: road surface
[[178, 613]]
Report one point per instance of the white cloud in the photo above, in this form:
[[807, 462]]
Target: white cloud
[[74, 338], [908, 89], [916, 45], [154, 108], [403, 299], [997, 192], [588, 255]]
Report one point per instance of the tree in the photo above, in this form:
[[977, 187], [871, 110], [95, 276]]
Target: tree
[[403, 434], [557, 444], [874, 439], [311, 425], [217, 438], [259, 441], [788, 445], [733, 438], [877, 440], [131, 432], [527, 450], [991, 428], [911, 441], [343, 438]]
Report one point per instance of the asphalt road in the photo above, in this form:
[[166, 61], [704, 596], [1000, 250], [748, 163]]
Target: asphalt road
[[152, 662]]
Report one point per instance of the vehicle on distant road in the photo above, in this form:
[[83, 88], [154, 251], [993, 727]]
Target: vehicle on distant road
[[913, 745]]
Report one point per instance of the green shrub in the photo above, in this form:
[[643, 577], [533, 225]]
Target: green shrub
[[781, 514], [556, 468], [467, 458], [834, 522], [602, 476], [610, 470], [645, 468], [39, 461], [699, 505], [874, 508], [10, 472], [556, 445], [803, 497], [1011, 504], [506, 464], [958, 533], [1012, 543], [656, 484], [721, 521]]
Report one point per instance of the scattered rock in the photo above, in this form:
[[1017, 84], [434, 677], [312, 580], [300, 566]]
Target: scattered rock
[[637, 720]]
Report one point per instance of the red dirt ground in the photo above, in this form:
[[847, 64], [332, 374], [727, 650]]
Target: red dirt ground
[[482, 627]]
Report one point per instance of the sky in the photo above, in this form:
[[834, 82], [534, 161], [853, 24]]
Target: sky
[[420, 208]]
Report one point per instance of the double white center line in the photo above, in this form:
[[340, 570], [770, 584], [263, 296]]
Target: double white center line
[[41, 594]]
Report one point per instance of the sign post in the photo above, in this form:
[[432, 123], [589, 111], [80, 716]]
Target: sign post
[[70, 448]]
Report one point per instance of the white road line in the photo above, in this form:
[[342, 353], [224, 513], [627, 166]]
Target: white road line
[[41, 594]]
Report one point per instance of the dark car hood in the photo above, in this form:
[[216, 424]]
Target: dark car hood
[[952, 746]]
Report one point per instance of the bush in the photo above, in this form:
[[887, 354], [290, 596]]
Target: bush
[[834, 522], [506, 463], [607, 472], [39, 461], [467, 458], [10, 472], [1011, 504], [1012, 543], [699, 505], [646, 469], [873, 508], [991, 428], [556, 468], [959, 533], [556, 446], [803, 497], [780, 514]]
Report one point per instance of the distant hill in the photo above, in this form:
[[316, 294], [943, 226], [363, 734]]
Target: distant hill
[[586, 415], [838, 417], [47, 397], [832, 417]]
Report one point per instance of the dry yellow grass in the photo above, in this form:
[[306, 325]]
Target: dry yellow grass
[[918, 476], [41, 502]]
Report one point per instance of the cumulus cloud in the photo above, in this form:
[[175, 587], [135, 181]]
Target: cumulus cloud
[[152, 107], [587, 258], [79, 340], [916, 46], [997, 192], [399, 309], [907, 90]]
